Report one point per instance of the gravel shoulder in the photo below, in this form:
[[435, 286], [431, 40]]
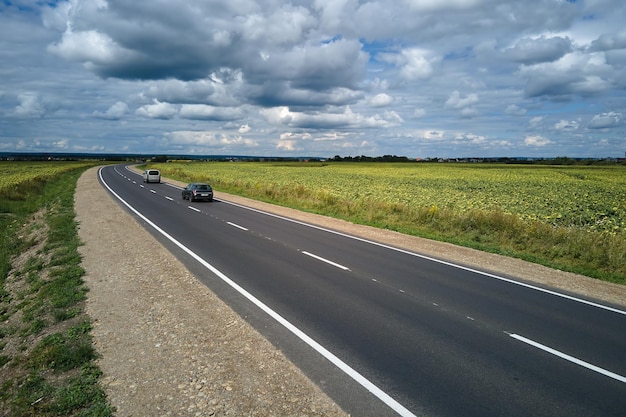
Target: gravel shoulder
[[170, 347]]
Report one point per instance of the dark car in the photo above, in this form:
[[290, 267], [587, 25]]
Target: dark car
[[197, 191]]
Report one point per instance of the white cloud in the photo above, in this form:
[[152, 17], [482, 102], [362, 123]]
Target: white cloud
[[515, 110], [282, 116], [30, 106], [605, 120], [357, 76], [535, 50], [566, 125], [381, 100], [115, 112], [536, 141], [455, 101], [158, 110], [206, 139], [206, 112]]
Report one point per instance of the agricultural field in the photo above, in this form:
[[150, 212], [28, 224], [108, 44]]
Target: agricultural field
[[523, 210], [15, 177], [593, 198]]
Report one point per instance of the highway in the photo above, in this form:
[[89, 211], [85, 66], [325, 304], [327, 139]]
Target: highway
[[386, 332]]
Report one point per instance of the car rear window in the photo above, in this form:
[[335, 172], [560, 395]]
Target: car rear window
[[153, 172], [203, 187]]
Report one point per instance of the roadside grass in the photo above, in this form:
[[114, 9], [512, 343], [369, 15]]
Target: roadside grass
[[597, 254], [47, 358]]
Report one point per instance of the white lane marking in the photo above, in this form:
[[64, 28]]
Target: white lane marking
[[356, 376], [237, 226], [194, 209], [142, 186], [407, 252], [569, 358], [169, 198], [319, 258], [153, 192]]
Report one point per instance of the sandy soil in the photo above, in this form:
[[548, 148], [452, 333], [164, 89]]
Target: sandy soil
[[170, 347]]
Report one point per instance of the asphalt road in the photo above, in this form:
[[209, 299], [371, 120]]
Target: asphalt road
[[388, 332]]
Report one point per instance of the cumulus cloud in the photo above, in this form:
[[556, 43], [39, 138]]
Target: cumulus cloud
[[605, 120], [347, 118], [115, 112], [206, 112], [158, 110], [566, 125], [515, 110], [574, 74], [381, 100], [532, 51], [206, 140], [536, 141], [455, 101], [414, 63], [30, 106], [355, 75], [608, 42]]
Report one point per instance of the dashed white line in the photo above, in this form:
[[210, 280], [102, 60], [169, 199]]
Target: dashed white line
[[569, 358], [319, 258], [169, 198], [237, 226], [194, 209], [153, 192]]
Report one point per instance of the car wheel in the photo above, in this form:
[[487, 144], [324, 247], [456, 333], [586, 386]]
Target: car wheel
[[191, 198]]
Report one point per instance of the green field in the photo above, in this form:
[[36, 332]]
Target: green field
[[568, 217], [18, 179]]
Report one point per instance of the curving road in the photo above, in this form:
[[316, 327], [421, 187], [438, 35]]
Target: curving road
[[389, 332]]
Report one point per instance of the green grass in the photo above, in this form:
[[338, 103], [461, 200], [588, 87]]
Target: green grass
[[566, 217], [47, 358]]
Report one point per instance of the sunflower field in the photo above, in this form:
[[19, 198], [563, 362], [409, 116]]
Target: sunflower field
[[567, 217]]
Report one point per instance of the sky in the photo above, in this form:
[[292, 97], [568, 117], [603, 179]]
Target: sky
[[414, 78]]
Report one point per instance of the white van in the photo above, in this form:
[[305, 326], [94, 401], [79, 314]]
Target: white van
[[151, 175]]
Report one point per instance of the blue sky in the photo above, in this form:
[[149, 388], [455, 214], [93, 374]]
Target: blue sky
[[417, 78]]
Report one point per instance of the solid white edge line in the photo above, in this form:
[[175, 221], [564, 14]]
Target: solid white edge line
[[407, 252], [569, 358], [352, 373], [319, 258], [237, 226]]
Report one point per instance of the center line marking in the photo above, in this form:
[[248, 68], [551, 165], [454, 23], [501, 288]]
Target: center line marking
[[319, 258], [237, 226], [569, 358]]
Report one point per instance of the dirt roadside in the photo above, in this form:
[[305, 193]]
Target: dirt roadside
[[170, 347]]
